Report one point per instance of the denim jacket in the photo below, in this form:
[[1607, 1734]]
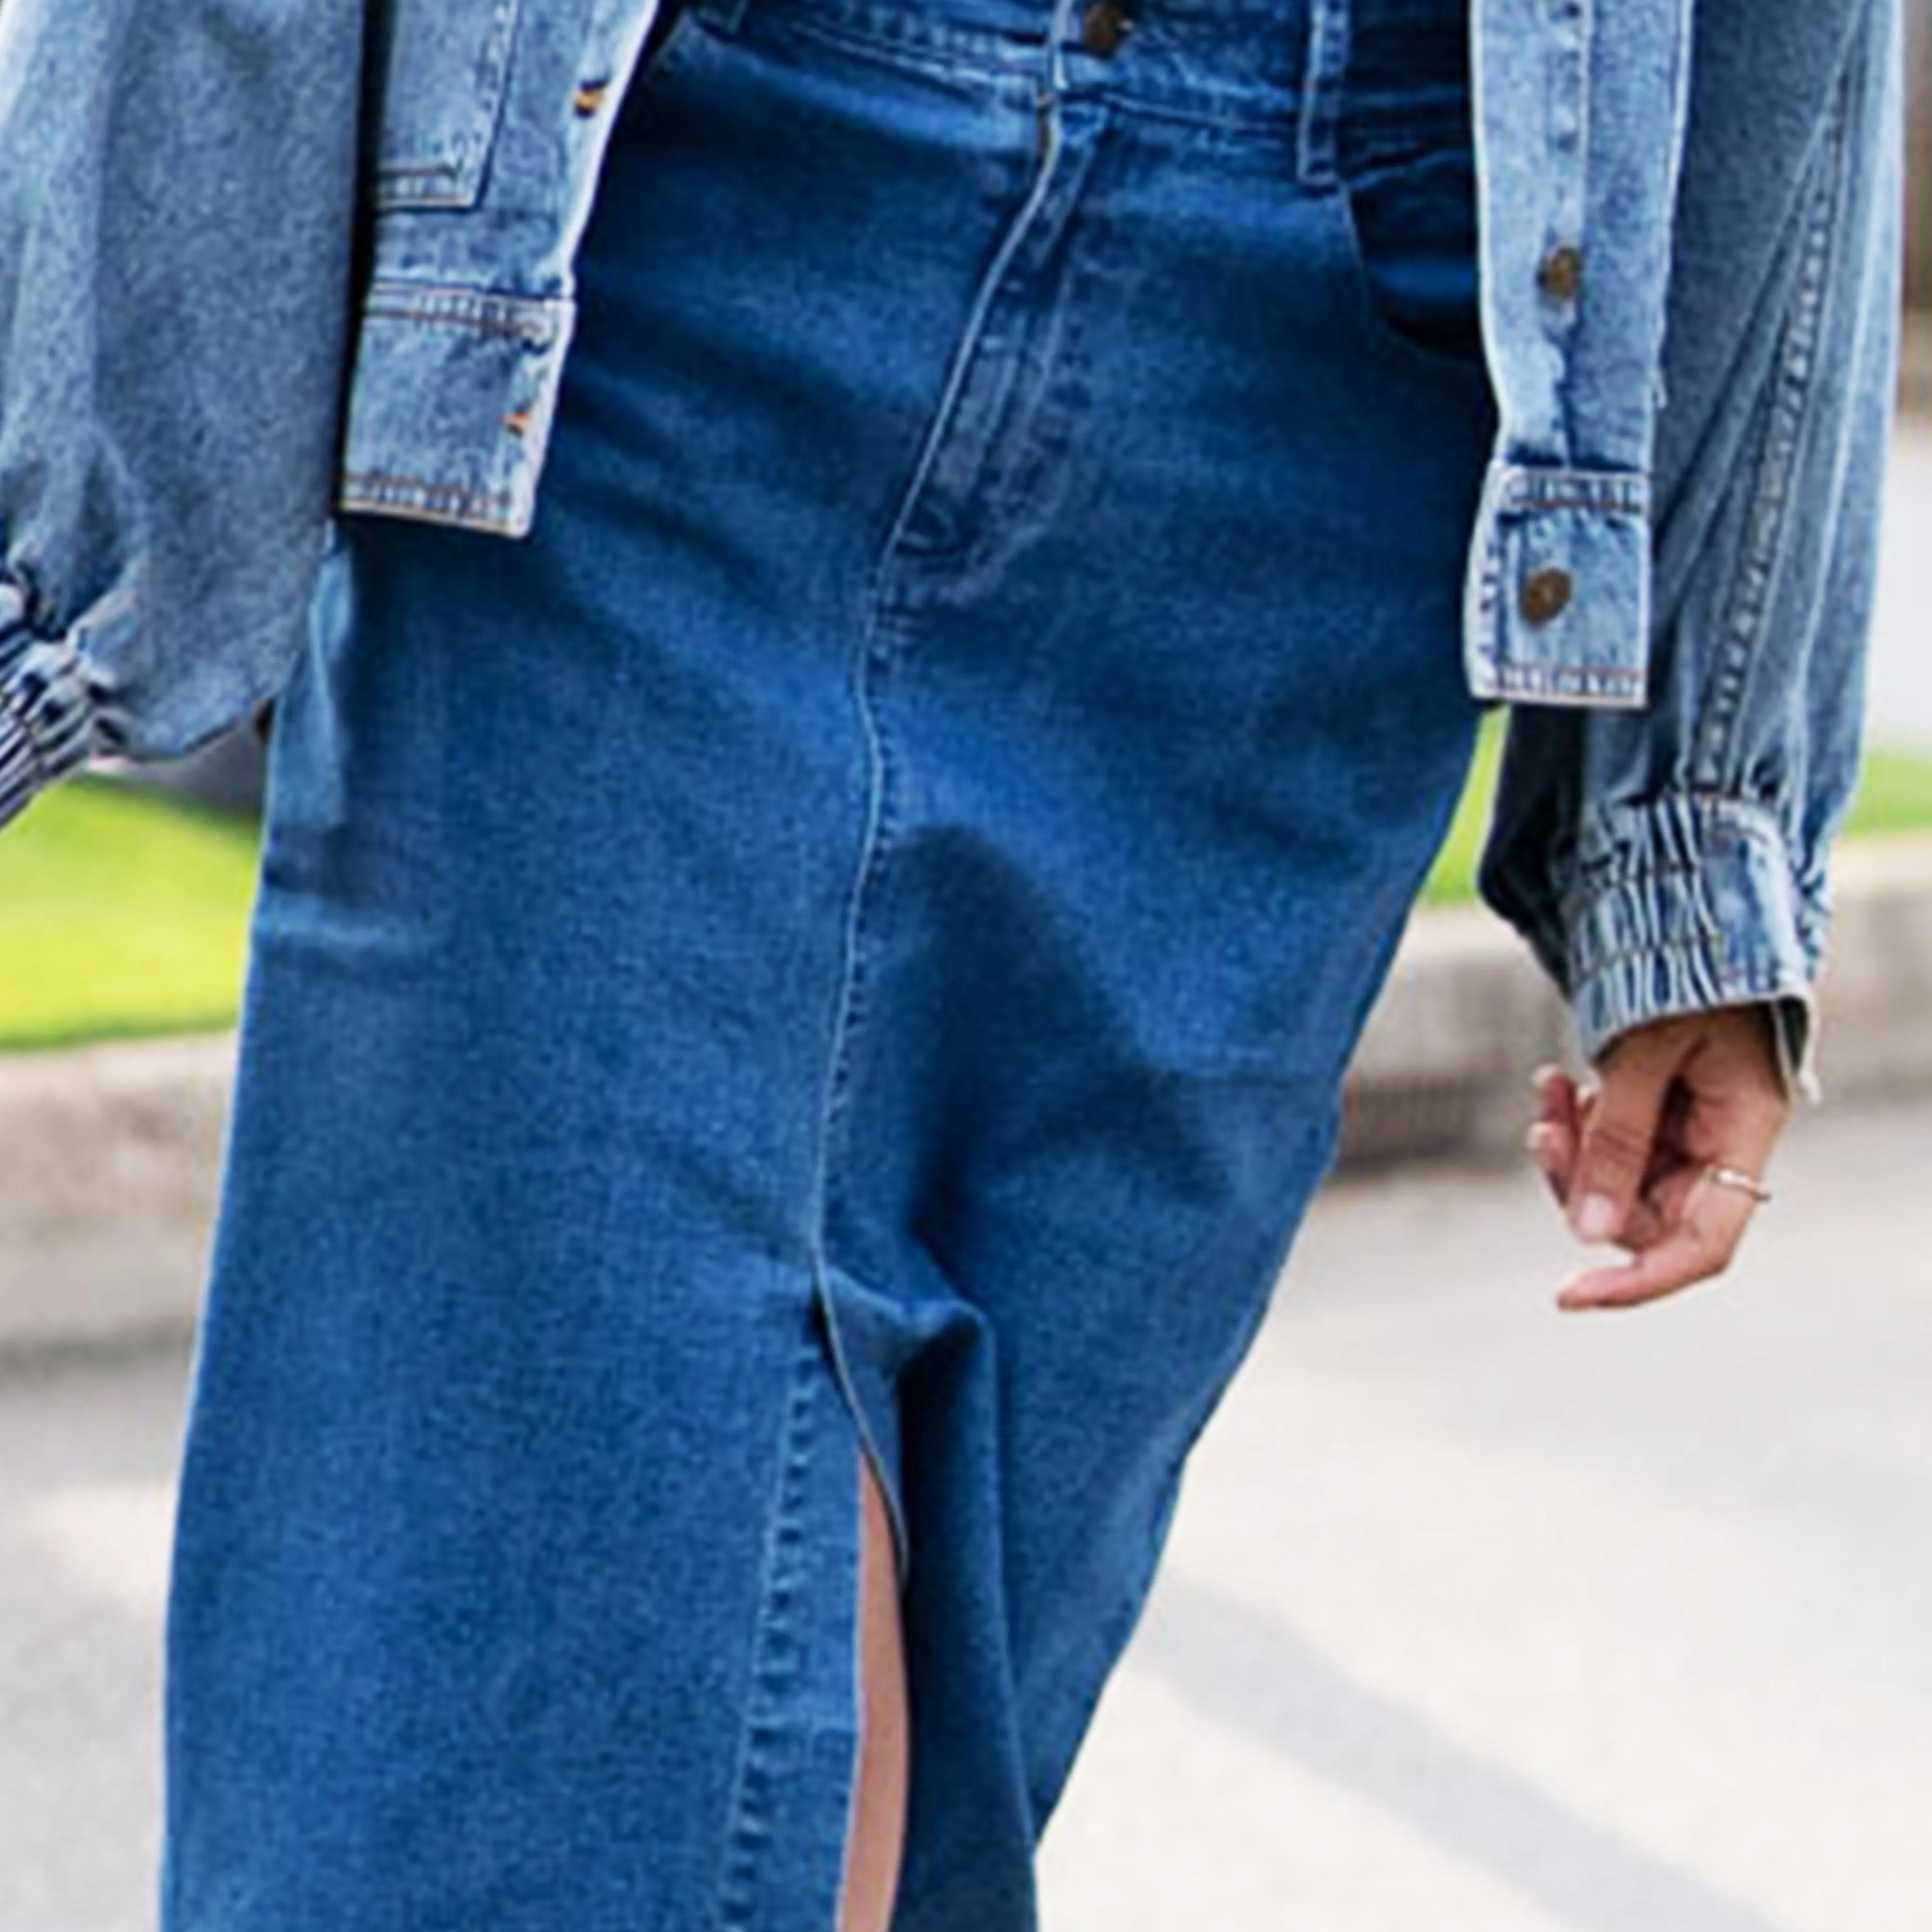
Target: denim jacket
[[263, 262]]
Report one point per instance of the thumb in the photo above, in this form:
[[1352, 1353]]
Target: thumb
[[1619, 1135]]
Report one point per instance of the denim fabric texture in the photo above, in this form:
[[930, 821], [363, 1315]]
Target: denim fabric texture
[[1687, 217], [844, 944], [177, 210], [1675, 859]]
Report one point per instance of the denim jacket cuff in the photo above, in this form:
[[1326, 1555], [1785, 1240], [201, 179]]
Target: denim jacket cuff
[[46, 708], [1686, 904], [1557, 589]]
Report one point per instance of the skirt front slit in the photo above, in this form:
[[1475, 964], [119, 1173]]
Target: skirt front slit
[[842, 945]]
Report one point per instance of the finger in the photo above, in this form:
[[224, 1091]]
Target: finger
[[1737, 1130], [1659, 1208], [1551, 1137], [1557, 1097], [1654, 1215], [1554, 1151], [1675, 1173], [1618, 1138], [1672, 1170], [1700, 1245]]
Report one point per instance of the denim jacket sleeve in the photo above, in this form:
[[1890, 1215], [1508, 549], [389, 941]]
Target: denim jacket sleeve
[[176, 189], [1672, 859]]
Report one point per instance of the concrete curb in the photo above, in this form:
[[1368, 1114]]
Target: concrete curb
[[110, 1155], [109, 1165]]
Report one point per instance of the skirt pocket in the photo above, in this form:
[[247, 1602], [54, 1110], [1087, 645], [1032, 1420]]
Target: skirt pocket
[[1406, 201]]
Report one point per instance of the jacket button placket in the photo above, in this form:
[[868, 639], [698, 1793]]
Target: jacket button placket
[[1560, 274]]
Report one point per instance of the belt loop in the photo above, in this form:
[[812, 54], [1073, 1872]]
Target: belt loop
[[1059, 32], [1321, 92]]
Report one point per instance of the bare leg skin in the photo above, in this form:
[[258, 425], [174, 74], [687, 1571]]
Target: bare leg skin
[[878, 1814]]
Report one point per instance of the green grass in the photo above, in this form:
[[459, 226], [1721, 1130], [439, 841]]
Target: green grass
[[121, 913], [1453, 880], [125, 912], [1895, 796]]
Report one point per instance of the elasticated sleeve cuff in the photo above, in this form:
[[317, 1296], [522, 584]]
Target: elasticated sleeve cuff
[[47, 708], [1684, 904]]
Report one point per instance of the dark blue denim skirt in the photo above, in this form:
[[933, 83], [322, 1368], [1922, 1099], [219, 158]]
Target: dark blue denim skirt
[[844, 944]]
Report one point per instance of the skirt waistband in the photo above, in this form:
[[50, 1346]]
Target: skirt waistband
[[1290, 62]]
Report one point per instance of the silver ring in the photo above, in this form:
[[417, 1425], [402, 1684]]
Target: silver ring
[[1735, 1177]]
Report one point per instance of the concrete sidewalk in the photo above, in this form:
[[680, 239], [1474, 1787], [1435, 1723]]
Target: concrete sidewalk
[[1478, 1617]]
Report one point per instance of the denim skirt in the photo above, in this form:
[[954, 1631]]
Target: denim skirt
[[842, 945]]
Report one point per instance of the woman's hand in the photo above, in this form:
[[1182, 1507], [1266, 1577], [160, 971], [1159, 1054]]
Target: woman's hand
[[1630, 1158]]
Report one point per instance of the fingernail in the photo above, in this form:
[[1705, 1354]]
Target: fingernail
[[1573, 1293], [1596, 1217]]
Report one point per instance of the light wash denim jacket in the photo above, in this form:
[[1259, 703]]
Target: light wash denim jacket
[[224, 317]]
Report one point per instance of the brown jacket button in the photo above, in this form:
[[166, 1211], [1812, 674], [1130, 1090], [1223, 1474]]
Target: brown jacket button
[[1104, 26], [1545, 594], [1560, 274]]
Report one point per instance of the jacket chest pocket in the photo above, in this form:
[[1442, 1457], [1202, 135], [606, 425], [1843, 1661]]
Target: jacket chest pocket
[[444, 69]]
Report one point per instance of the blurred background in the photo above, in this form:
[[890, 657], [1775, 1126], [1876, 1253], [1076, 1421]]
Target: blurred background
[[1479, 1617]]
